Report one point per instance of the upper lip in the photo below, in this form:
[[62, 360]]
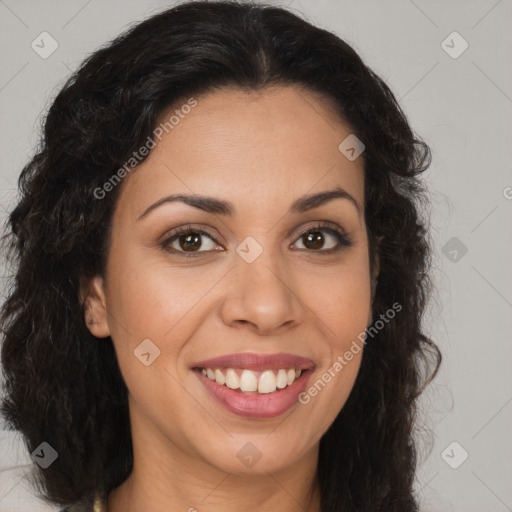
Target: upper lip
[[253, 361]]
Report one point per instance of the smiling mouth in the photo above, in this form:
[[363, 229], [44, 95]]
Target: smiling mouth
[[253, 382]]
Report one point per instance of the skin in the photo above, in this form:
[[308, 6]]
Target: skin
[[260, 151]]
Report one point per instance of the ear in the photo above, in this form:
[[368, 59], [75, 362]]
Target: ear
[[92, 295], [375, 268]]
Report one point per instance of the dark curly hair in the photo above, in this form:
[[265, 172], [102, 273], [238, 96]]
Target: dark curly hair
[[63, 387]]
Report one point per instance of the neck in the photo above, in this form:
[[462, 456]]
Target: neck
[[166, 479], [229, 495]]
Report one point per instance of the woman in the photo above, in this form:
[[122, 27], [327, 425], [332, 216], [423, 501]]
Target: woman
[[220, 275]]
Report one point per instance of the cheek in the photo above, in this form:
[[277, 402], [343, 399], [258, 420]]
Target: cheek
[[152, 300], [342, 305], [346, 316], [341, 299]]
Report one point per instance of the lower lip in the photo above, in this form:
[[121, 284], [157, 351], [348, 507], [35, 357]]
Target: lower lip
[[267, 405]]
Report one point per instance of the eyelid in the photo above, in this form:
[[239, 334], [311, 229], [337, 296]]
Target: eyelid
[[343, 239], [180, 230], [319, 225]]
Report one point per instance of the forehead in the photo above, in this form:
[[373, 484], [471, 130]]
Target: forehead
[[279, 143]]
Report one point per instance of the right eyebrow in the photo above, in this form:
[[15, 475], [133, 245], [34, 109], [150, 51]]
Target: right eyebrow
[[221, 207]]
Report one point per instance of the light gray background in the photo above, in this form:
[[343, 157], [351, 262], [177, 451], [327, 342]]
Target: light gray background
[[460, 106]]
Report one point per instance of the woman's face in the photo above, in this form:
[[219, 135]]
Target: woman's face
[[265, 280]]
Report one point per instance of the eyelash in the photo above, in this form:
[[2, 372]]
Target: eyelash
[[342, 238]]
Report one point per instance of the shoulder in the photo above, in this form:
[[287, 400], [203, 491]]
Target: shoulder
[[77, 507], [87, 504]]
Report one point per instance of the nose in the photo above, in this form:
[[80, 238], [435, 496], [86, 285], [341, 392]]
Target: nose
[[264, 295]]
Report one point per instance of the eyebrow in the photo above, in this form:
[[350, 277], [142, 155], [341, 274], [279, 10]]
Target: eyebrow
[[221, 207]]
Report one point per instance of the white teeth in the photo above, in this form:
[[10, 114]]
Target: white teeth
[[282, 379], [267, 382], [219, 377], [248, 381], [232, 379]]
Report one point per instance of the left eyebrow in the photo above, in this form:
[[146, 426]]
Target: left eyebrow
[[221, 207]]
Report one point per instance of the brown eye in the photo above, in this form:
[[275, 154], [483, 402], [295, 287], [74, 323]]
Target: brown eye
[[192, 241], [188, 241], [314, 239]]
